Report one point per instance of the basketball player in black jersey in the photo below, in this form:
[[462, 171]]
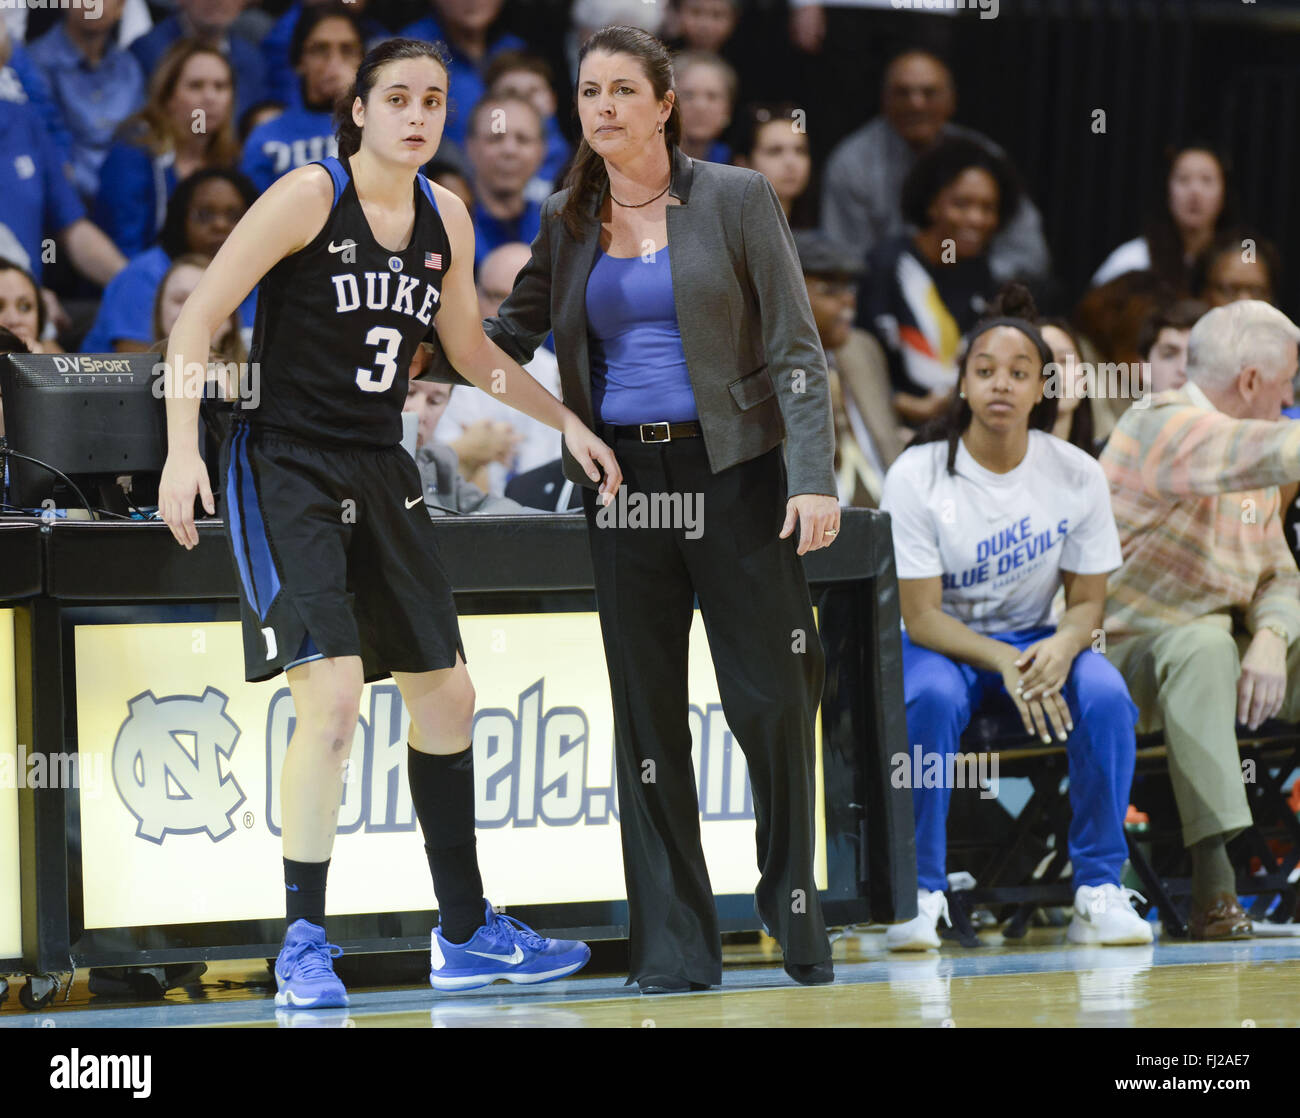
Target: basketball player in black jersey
[[336, 552]]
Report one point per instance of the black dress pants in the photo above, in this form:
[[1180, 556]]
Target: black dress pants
[[770, 667]]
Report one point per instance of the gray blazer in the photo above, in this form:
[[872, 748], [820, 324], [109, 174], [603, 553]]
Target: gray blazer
[[752, 349]]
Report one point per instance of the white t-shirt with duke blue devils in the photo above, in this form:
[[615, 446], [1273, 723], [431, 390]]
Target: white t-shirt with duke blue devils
[[1000, 541]]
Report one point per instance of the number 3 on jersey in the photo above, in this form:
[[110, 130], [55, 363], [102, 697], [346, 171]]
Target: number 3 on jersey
[[390, 338]]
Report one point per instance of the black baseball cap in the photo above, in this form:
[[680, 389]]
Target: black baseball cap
[[820, 255]]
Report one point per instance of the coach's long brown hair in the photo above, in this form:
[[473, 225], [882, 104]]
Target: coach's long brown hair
[[391, 50], [587, 178]]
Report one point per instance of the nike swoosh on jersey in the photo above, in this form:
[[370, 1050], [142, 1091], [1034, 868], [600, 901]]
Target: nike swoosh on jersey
[[517, 957], [339, 248], [413, 502]]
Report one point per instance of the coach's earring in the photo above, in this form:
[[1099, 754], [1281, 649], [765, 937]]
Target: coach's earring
[[661, 128]]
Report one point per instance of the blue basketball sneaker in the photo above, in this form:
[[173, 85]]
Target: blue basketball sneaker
[[304, 975], [502, 948]]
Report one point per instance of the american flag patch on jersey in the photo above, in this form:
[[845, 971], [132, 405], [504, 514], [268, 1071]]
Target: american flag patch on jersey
[[433, 260]]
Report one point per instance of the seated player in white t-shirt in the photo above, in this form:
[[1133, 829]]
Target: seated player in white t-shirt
[[990, 514]]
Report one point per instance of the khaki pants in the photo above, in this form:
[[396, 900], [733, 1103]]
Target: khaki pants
[[1184, 681]]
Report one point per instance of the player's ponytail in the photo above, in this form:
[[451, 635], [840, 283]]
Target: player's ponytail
[[390, 50], [587, 178]]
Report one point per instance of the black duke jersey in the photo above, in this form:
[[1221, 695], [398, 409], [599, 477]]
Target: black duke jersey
[[338, 322]]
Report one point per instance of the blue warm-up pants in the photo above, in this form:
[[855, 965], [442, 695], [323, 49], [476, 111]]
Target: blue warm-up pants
[[941, 697]]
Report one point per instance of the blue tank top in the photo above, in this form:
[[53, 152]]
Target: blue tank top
[[638, 368]]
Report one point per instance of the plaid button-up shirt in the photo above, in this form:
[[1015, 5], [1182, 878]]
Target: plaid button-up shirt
[[1195, 497]]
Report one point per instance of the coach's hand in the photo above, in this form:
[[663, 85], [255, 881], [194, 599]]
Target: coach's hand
[[589, 451], [184, 477], [819, 520]]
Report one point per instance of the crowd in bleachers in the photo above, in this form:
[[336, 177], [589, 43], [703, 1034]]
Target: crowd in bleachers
[[133, 141]]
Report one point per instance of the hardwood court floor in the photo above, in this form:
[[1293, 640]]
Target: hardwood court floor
[[1039, 982]]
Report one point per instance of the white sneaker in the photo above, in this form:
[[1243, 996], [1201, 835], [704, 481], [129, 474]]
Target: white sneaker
[[921, 932], [1104, 915]]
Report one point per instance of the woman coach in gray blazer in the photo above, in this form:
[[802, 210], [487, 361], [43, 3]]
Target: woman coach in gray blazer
[[686, 341]]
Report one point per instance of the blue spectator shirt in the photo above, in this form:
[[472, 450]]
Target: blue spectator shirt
[[126, 311], [38, 198], [466, 83], [134, 187], [293, 139], [93, 100]]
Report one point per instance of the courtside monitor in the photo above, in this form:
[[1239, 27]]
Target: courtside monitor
[[91, 416]]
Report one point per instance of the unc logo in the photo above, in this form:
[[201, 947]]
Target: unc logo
[[395, 262], [166, 766]]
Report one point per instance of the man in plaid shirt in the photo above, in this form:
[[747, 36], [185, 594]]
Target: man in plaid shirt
[[1202, 619]]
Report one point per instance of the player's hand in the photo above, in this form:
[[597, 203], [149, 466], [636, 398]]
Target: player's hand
[[819, 520], [1045, 666], [184, 477], [590, 452], [1042, 716]]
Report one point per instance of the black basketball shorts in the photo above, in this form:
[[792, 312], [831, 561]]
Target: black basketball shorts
[[336, 556]]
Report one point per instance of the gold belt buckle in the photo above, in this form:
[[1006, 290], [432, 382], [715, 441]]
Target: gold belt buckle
[[667, 433]]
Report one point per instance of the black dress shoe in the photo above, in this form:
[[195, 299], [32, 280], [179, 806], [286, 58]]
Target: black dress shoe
[[811, 974], [668, 984]]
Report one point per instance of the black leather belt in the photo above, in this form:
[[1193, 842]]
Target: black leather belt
[[657, 432]]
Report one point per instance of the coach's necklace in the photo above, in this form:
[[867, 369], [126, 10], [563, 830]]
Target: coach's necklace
[[640, 204]]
